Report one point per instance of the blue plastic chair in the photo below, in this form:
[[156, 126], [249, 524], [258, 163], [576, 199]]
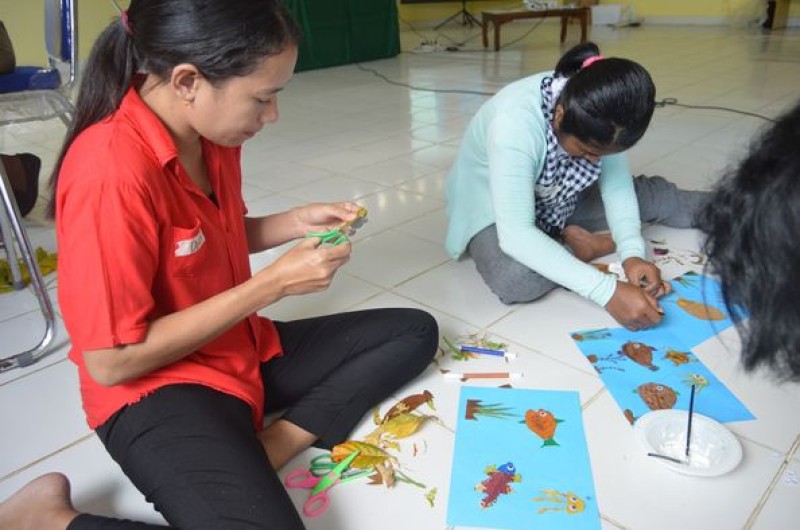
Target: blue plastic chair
[[37, 93]]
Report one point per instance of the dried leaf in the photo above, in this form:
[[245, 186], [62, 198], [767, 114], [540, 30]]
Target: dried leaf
[[387, 474], [410, 404], [369, 456], [455, 352], [431, 497], [402, 425], [700, 310]]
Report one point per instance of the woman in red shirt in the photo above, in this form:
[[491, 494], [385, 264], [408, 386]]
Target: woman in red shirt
[[177, 369]]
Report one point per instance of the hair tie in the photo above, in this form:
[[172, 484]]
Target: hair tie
[[591, 60], [123, 19]]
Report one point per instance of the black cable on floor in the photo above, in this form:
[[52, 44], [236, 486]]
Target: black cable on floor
[[665, 102], [422, 89], [674, 102]]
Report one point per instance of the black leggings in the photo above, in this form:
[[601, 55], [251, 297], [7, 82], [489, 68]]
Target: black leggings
[[193, 453]]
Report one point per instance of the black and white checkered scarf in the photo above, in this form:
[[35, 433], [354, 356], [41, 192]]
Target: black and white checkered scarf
[[563, 176]]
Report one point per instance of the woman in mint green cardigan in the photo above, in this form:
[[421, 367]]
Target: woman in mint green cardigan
[[541, 165]]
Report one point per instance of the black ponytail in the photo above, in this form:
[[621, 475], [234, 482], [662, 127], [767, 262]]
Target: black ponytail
[[223, 39], [572, 61], [609, 102]]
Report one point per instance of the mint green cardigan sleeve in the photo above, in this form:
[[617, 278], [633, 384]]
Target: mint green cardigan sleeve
[[621, 206], [492, 182]]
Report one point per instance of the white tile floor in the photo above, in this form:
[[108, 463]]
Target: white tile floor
[[347, 134]]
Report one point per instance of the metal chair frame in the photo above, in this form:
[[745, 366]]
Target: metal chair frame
[[62, 49], [11, 227]]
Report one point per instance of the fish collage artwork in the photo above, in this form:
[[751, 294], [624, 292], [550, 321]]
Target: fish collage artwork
[[511, 453], [653, 369]]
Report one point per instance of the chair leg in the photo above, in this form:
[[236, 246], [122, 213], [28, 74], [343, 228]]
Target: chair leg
[[12, 227], [11, 252]]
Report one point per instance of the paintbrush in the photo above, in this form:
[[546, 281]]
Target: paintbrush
[[689, 425], [688, 436]]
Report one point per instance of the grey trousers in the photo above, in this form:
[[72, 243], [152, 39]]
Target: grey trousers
[[660, 202]]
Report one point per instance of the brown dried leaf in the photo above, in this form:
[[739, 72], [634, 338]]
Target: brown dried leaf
[[410, 404]]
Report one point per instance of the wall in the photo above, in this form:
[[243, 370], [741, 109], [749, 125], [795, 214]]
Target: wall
[[438, 12], [24, 20], [700, 11], [656, 11]]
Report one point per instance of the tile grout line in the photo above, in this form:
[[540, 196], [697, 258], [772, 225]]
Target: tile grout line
[[38, 369], [768, 492], [609, 520], [33, 463]]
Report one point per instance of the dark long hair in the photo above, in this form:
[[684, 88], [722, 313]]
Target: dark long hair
[[751, 223], [222, 38], [608, 103]]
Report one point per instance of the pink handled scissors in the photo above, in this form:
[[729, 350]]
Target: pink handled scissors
[[318, 501]]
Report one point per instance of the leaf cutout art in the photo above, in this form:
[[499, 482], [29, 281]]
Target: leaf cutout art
[[410, 404], [476, 408], [369, 456], [700, 310], [400, 426]]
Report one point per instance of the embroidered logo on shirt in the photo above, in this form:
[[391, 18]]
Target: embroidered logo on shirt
[[186, 247]]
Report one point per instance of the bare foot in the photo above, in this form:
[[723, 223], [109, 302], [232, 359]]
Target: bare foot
[[42, 504], [585, 245], [282, 441]]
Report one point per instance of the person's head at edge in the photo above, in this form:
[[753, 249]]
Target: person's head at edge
[[751, 222], [223, 61], [606, 105]]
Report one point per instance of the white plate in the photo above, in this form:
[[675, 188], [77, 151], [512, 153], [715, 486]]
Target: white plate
[[713, 449]]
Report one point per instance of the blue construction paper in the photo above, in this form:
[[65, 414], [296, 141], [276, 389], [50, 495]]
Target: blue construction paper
[[670, 367], [690, 329], [549, 470]]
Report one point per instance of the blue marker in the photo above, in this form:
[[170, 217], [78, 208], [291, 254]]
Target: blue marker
[[484, 351]]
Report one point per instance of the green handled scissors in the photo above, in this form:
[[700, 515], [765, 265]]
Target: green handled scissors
[[330, 473], [337, 236], [319, 485], [330, 237], [322, 465]]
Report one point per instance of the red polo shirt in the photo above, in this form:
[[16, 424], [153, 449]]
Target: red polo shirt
[[137, 240]]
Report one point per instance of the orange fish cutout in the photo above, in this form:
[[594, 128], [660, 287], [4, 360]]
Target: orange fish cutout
[[543, 424]]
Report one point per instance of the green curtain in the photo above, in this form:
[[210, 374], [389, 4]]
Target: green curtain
[[345, 31]]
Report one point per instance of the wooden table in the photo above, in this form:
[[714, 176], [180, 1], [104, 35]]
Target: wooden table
[[498, 18]]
